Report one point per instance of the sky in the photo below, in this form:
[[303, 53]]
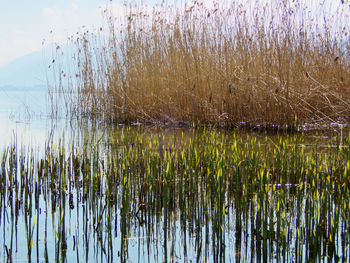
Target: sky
[[25, 25]]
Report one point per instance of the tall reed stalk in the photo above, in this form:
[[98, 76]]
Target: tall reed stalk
[[225, 64]]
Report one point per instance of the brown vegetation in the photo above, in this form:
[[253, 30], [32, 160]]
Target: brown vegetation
[[268, 66]]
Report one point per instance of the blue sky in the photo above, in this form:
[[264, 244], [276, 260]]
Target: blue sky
[[24, 24]]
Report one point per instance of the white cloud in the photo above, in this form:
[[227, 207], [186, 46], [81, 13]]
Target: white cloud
[[49, 12], [116, 9], [20, 38], [74, 6]]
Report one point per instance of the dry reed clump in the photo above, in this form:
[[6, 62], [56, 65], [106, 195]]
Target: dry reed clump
[[220, 65]]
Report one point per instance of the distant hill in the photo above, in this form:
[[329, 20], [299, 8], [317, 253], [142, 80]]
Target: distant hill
[[32, 70], [38, 69], [25, 71]]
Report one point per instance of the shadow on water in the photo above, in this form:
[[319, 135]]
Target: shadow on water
[[140, 195]]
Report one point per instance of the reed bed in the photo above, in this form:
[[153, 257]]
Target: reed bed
[[227, 64], [164, 196]]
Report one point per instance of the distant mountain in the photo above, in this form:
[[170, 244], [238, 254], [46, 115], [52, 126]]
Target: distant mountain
[[25, 71], [32, 70], [38, 69]]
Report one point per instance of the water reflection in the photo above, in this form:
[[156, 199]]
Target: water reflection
[[23, 114], [73, 191], [204, 197], [26, 117]]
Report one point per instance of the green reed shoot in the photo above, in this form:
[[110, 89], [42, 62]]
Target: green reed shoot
[[277, 194]]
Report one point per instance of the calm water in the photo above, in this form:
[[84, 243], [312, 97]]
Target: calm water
[[26, 118], [143, 195], [24, 114]]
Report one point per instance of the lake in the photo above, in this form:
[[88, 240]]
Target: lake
[[24, 114], [75, 191]]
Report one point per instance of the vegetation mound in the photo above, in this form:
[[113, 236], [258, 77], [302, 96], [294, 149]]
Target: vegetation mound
[[221, 64]]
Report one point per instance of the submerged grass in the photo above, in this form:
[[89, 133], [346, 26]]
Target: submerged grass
[[224, 64], [192, 195]]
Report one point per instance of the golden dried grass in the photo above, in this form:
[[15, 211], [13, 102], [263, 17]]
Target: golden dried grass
[[215, 65]]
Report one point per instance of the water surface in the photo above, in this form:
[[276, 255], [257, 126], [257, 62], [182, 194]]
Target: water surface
[[108, 193]]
